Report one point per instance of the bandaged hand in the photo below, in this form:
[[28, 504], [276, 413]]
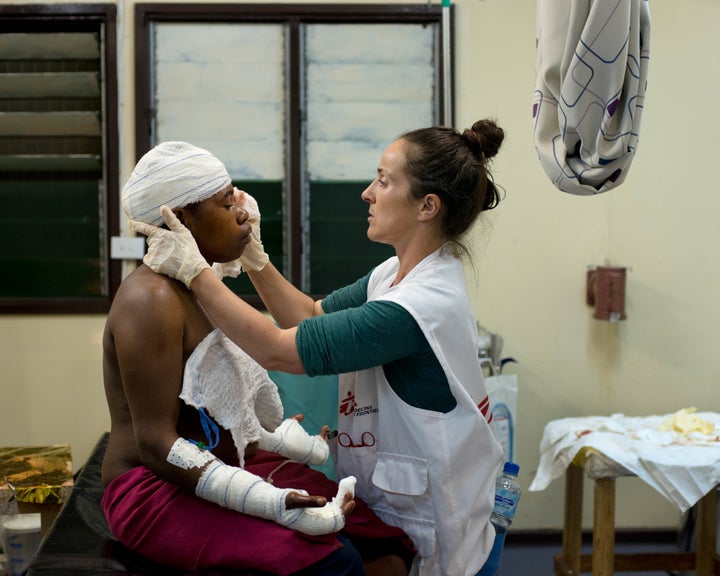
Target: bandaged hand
[[237, 489], [253, 257], [171, 252], [292, 441]]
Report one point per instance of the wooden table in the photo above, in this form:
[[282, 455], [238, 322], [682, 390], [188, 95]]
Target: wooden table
[[604, 561], [35, 479]]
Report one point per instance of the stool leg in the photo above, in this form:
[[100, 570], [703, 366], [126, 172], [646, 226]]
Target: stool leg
[[572, 527], [603, 553], [706, 534]]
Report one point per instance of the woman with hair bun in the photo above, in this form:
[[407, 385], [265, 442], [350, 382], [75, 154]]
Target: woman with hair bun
[[413, 423]]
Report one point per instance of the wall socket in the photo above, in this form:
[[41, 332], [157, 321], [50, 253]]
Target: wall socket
[[127, 248]]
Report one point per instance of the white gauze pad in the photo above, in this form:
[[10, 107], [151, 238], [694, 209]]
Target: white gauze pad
[[186, 455]]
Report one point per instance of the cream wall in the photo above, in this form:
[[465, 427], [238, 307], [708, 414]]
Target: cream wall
[[530, 261]]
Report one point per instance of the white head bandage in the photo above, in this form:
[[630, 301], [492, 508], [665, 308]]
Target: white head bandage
[[174, 174]]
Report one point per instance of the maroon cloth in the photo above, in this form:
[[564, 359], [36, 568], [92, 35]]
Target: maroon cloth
[[169, 525]]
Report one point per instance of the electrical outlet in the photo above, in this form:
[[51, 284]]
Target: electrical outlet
[[126, 248]]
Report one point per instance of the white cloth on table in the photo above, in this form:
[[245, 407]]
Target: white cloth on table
[[682, 467], [591, 76]]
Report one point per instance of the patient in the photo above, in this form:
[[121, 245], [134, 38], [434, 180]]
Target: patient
[[200, 468]]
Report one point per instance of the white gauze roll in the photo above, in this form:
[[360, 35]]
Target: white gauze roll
[[174, 174], [292, 441]]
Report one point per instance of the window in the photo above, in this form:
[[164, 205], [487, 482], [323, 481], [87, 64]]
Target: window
[[299, 101], [58, 158]]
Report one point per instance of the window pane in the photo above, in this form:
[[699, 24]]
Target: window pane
[[301, 100], [340, 249], [52, 225], [234, 107], [365, 84]]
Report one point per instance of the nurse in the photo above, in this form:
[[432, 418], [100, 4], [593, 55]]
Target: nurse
[[403, 339]]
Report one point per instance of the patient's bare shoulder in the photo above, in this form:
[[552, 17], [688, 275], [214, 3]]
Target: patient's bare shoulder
[[145, 296]]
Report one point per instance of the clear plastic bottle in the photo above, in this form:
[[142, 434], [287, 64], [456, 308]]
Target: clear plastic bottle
[[507, 494]]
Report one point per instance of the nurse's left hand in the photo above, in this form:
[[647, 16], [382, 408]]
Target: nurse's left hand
[[171, 252], [254, 257]]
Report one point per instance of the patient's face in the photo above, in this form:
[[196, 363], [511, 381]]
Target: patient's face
[[219, 226]]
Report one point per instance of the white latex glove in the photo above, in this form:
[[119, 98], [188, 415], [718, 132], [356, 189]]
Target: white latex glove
[[171, 252], [254, 256], [231, 269]]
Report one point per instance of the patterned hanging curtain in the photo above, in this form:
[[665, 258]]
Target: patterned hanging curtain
[[591, 76]]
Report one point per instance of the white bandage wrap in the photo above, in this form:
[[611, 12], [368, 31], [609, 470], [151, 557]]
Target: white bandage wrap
[[238, 489], [292, 441], [186, 455]]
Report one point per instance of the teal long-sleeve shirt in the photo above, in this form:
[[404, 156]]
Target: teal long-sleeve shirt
[[355, 334]]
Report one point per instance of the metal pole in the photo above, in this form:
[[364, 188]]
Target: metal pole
[[447, 65]]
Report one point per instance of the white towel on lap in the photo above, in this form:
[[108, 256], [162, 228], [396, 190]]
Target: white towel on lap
[[591, 76]]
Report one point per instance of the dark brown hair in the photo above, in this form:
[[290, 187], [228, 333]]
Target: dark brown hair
[[454, 165]]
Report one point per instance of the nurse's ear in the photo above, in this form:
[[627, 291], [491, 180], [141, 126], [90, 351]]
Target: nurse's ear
[[430, 207]]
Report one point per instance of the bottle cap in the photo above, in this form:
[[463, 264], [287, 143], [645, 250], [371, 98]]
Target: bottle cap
[[511, 468]]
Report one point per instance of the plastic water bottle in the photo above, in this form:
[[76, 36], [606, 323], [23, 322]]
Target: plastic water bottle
[[507, 495]]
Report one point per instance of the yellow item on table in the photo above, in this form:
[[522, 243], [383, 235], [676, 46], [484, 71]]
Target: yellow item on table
[[686, 422]]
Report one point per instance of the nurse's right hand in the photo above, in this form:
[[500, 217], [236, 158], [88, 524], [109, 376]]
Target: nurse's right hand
[[171, 252]]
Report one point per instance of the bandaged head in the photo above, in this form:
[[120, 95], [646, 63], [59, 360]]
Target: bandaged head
[[174, 174]]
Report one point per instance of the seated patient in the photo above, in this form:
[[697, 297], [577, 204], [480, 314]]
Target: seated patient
[[200, 468]]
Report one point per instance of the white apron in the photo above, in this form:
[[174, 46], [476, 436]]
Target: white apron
[[430, 473]]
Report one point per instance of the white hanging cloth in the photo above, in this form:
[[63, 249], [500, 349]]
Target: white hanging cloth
[[591, 76]]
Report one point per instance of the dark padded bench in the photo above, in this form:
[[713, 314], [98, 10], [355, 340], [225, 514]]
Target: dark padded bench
[[79, 542]]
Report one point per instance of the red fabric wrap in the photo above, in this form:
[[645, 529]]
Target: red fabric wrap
[[172, 526]]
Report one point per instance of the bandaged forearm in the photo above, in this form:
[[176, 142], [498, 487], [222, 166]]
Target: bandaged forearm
[[237, 489], [240, 490], [292, 441]]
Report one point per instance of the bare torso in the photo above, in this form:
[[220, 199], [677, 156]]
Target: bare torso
[[154, 322]]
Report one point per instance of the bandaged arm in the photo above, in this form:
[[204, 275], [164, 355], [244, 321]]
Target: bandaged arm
[[292, 441], [237, 489]]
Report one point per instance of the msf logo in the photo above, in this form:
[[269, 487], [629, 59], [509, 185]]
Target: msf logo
[[348, 405]]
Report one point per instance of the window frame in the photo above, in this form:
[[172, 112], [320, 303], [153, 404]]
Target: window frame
[[294, 16], [48, 18]]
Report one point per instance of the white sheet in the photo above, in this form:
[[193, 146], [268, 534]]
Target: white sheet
[[683, 468]]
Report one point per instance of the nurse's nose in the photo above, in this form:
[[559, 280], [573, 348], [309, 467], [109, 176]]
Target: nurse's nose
[[366, 194]]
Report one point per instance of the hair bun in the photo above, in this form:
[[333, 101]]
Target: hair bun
[[484, 138]]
